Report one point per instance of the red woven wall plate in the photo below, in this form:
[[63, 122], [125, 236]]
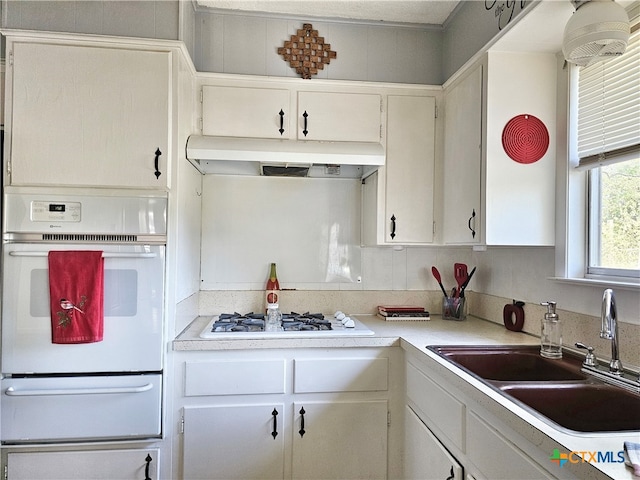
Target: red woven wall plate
[[525, 139]]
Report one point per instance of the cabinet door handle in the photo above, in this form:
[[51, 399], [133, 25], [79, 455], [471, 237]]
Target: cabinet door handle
[[158, 153], [472, 217], [393, 227], [302, 430], [274, 434], [451, 474], [147, 466], [305, 115], [281, 129]]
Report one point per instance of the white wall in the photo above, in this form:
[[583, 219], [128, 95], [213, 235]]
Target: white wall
[[248, 44], [472, 26], [142, 18]]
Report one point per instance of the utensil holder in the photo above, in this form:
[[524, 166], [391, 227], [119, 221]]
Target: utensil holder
[[454, 308]]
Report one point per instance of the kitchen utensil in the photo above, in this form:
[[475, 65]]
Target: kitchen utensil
[[460, 274], [436, 275], [466, 282]]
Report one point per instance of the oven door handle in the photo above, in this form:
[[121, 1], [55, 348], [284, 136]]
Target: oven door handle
[[12, 392], [18, 253]]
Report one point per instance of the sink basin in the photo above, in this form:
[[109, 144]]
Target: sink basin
[[556, 391], [508, 364], [582, 407]]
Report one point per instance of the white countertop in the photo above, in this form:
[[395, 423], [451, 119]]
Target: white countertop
[[414, 336], [386, 334]]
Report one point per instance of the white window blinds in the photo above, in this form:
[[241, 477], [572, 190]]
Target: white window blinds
[[609, 109]]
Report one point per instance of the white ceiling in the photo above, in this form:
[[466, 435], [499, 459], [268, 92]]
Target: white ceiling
[[430, 12]]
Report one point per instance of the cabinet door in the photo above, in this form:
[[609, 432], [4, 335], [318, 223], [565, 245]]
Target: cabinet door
[[234, 442], [424, 455], [346, 440], [339, 117], [82, 465], [409, 169], [463, 160], [482, 444], [89, 116], [245, 112]]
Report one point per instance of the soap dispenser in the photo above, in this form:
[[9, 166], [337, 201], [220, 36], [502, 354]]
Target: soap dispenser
[[551, 333]]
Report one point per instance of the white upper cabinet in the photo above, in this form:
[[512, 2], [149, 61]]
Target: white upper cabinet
[[398, 200], [250, 109], [339, 117], [490, 198], [86, 115], [245, 112], [520, 197], [463, 159]]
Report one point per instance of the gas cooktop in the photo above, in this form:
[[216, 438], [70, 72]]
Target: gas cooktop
[[296, 325]]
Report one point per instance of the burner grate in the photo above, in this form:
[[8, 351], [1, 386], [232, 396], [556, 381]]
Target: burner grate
[[254, 322]]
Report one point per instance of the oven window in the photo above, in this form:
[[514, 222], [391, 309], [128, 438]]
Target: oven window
[[120, 293]]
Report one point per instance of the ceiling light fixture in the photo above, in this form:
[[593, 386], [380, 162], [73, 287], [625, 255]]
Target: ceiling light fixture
[[597, 31]]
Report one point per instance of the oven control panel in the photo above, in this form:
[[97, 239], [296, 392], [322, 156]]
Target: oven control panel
[[42, 211]]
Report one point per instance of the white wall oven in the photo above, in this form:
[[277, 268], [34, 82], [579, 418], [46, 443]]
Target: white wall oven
[[107, 389]]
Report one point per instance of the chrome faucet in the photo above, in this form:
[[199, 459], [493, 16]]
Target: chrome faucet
[[609, 329]]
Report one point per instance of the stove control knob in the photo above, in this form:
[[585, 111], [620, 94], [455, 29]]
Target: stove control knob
[[340, 316], [349, 323], [345, 320]]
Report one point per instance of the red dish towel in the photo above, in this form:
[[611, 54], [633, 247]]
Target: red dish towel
[[76, 292]]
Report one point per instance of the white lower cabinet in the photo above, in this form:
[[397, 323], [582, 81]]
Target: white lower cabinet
[[234, 441], [129, 464], [424, 454], [290, 414], [443, 427], [340, 440], [483, 443]]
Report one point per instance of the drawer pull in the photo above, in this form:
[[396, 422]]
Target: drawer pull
[[12, 392], [274, 434], [393, 227], [281, 129], [18, 253], [472, 217], [147, 466], [305, 115], [302, 430], [157, 172]]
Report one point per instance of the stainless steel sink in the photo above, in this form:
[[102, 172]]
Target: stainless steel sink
[[557, 391]]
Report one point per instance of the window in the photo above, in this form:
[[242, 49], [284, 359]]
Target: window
[[609, 148]]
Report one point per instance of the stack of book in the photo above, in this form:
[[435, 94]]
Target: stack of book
[[402, 312]]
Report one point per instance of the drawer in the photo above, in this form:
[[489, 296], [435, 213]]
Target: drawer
[[79, 408], [116, 463], [441, 408], [239, 377], [340, 375]]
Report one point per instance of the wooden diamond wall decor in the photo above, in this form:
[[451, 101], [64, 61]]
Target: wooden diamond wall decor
[[306, 52]]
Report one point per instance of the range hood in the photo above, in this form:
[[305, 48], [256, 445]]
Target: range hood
[[254, 156]]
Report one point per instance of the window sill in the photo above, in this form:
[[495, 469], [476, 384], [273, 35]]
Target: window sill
[[597, 282]]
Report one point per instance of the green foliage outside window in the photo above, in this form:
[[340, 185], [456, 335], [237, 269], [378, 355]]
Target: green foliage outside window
[[620, 215]]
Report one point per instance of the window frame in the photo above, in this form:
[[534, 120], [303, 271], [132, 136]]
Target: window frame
[[593, 237], [572, 220]]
